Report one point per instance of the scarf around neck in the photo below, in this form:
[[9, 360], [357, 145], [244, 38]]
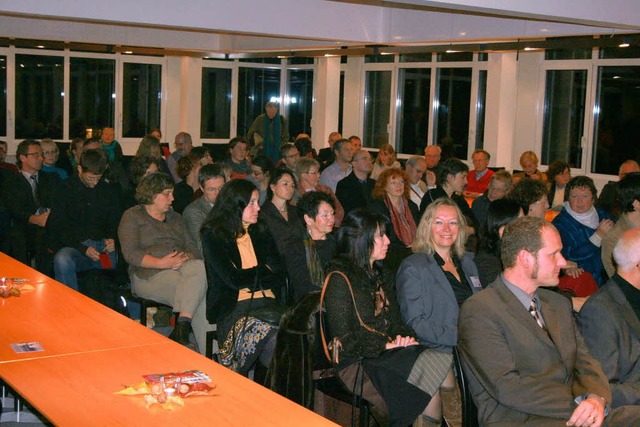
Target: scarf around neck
[[589, 218], [272, 137], [403, 225]]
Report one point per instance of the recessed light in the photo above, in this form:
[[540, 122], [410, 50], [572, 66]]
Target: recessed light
[[623, 45], [40, 46]]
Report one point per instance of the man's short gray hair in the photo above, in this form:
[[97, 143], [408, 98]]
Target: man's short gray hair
[[626, 252]]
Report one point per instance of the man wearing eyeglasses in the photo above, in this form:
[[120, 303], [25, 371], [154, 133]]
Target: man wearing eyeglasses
[[84, 221], [416, 167], [28, 197]]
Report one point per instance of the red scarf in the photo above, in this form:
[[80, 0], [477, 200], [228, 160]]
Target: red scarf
[[403, 225]]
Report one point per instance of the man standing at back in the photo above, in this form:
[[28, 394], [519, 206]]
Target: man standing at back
[[268, 132], [84, 221], [526, 362]]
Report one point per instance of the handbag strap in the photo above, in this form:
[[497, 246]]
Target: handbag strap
[[355, 307]]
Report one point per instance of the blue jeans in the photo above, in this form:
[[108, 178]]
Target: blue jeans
[[68, 261]]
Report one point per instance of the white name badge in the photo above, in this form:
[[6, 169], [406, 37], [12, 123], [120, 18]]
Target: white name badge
[[475, 282]]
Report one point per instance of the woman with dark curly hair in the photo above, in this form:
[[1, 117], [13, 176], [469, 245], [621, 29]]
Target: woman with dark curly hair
[[245, 275]]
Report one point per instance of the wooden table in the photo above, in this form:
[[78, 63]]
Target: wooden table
[[62, 320]]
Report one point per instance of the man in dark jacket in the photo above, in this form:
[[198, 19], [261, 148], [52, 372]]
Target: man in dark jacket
[[354, 191]]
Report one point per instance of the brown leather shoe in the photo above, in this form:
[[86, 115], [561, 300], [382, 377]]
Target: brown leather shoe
[[181, 333]]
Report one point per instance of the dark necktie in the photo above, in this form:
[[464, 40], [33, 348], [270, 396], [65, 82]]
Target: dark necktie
[[34, 190], [533, 309]]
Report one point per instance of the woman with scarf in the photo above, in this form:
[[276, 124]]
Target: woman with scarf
[[391, 198], [307, 254], [582, 228]]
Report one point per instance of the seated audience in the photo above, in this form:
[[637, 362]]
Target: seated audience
[[4, 149], [531, 195], [163, 260], [245, 275], [362, 312], [83, 224], [608, 200], [282, 218], [500, 213], [188, 168], [609, 323], [308, 176], [340, 168], [289, 156], [308, 253], [432, 154], [211, 179], [326, 156], [51, 153], [385, 159], [416, 167], [183, 144], [138, 168], [391, 199], [478, 179], [116, 172], [262, 169], [355, 190], [525, 360], [305, 147], [240, 166], [559, 174], [529, 163], [499, 186], [356, 143], [582, 227], [150, 146], [628, 190], [75, 151]]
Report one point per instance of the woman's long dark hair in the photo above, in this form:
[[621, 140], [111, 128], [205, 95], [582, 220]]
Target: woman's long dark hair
[[501, 212], [356, 236], [225, 218]]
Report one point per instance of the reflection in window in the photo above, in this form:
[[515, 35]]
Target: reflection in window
[[299, 101], [3, 95], [617, 116], [414, 86], [377, 106], [39, 96], [215, 103], [480, 108], [256, 87], [563, 121], [141, 98], [453, 89], [92, 96]]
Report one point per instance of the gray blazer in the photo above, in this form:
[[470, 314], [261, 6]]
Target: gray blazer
[[193, 217], [427, 302], [611, 330]]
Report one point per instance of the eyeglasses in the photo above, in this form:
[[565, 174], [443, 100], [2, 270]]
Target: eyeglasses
[[438, 223], [36, 154], [51, 152]]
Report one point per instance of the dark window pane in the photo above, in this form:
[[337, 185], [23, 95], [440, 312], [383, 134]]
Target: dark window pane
[[620, 52], [256, 87], [415, 57], [483, 56], [300, 101], [39, 92], [92, 96], [480, 108], [414, 85], [378, 58], [300, 61], [454, 56], [142, 94], [617, 118], [452, 124], [565, 94], [377, 104], [3, 95], [215, 103], [277, 61]]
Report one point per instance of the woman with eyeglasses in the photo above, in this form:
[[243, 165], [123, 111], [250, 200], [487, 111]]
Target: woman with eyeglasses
[[434, 281], [308, 176]]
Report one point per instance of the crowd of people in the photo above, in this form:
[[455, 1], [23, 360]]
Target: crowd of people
[[414, 259]]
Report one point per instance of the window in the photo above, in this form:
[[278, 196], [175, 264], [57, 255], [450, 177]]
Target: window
[[3, 95], [299, 101], [215, 103], [616, 121], [453, 105], [455, 56], [563, 120], [377, 105], [92, 96], [39, 96], [413, 109], [480, 108], [415, 57], [141, 98], [256, 87]]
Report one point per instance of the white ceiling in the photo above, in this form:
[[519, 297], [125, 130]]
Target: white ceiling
[[228, 26]]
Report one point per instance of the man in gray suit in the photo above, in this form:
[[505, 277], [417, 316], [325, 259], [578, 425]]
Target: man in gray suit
[[526, 362], [211, 179], [610, 326]]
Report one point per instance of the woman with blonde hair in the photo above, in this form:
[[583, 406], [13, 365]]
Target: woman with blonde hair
[[386, 159], [434, 281], [529, 163]]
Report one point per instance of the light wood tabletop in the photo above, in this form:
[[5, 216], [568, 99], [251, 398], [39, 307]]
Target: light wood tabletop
[[79, 389]]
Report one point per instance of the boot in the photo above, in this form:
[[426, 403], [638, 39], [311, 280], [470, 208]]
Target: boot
[[426, 421], [451, 406], [181, 332]]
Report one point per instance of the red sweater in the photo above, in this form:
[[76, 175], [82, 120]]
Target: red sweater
[[478, 185]]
